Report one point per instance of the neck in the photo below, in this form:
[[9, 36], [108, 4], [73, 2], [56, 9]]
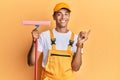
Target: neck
[[61, 30]]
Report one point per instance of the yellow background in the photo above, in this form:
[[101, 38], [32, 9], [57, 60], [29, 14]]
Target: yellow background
[[101, 58]]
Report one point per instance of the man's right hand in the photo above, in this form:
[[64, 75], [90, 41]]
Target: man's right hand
[[35, 34]]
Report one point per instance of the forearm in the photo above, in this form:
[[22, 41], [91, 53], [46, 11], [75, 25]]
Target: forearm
[[31, 55], [77, 59]]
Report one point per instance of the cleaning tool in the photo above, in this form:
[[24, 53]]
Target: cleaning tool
[[36, 24]]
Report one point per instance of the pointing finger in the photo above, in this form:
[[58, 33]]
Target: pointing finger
[[89, 32]]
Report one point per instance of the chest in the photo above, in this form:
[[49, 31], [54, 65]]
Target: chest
[[61, 42]]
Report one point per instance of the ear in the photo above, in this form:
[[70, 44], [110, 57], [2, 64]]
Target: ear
[[54, 17]]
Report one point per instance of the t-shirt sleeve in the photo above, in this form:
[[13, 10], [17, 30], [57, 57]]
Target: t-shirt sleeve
[[40, 43], [74, 45]]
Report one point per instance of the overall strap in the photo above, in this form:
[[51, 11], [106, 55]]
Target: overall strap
[[53, 39], [71, 41]]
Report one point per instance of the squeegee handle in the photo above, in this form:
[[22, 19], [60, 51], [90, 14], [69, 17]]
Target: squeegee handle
[[36, 61]]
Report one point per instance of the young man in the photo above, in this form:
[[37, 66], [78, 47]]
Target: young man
[[62, 50]]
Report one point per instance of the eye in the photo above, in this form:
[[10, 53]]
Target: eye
[[67, 14], [58, 14]]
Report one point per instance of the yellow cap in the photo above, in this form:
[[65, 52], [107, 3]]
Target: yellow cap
[[60, 6]]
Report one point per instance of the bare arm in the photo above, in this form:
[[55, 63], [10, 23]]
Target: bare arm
[[31, 54], [77, 59]]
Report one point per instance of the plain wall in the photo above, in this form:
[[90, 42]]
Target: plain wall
[[101, 58]]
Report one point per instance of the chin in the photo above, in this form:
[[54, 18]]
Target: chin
[[63, 26]]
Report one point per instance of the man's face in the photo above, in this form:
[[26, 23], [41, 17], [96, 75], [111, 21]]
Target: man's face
[[62, 18]]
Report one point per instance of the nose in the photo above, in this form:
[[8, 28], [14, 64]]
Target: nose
[[63, 16]]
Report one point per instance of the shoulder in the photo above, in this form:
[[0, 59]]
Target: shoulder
[[45, 33], [75, 35]]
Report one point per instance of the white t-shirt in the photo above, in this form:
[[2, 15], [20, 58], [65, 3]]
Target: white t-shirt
[[62, 41]]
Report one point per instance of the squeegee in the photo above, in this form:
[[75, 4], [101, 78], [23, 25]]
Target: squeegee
[[36, 24]]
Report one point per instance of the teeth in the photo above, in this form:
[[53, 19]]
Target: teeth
[[62, 20]]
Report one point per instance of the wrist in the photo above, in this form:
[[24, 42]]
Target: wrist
[[79, 50], [33, 41], [79, 45]]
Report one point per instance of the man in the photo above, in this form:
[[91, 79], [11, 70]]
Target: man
[[62, 50]]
